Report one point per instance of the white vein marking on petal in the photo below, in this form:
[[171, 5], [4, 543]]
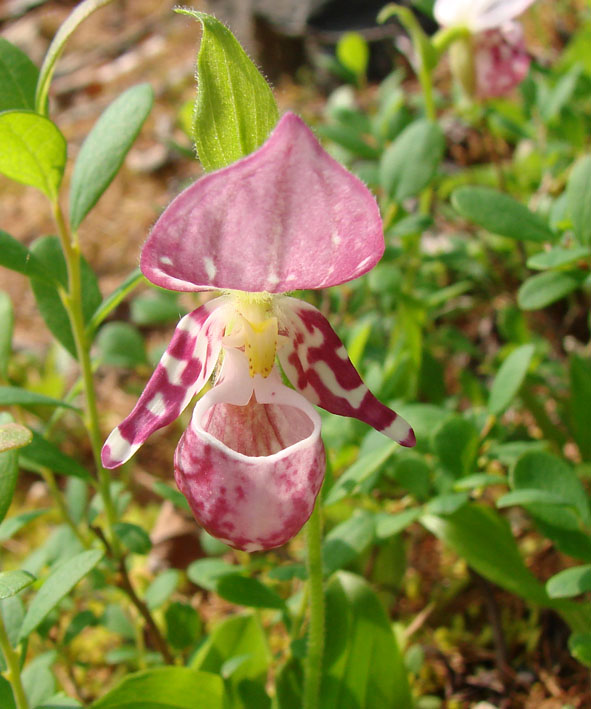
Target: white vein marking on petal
[[156, 405], [210, 268], [165, 260], [174, 368], [353, 396]]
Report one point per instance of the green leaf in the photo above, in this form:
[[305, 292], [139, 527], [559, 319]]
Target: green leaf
[[48, 251], [183, 625], [9, 396], [579, 645], [389, 524], [6, 330], [456, 442], [483, 538], [247, 591], [546, 288], [348, 540], [235, 109], [13, 582], [363, 665], [78, 15], [500, 214], [409, 164], [570, 582], [18, 78], [13, 436], [353, 53], [528, 497], [557, 257], [208, 572], [38, 680], [580, 403], [105, 148], [579, 199], [538, 470], [133, 537], [12, 525], [350, 481], [161, 588], [169, 493], [112, 301], [58, 584], [17, 257], [238, 636], [446, 504], [8, 473], [477, 480], [158, 308], [33, 151], [509, 379], [6, 695], [43, 453], [121, 345], [165, 688]]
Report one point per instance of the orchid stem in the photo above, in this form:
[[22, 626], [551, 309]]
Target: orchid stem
[[73, 305], [313, 666], [13, 664]]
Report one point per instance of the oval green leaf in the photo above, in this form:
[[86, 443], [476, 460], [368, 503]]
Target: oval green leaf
[[235, 109], [570, 582], [546, 288], [12, 582], [13, 435], [509, 379], [32, 151], [579, 199], [246, 591], [105, 148], [18, 78], [501, 214], [42, 453], [133, 537]]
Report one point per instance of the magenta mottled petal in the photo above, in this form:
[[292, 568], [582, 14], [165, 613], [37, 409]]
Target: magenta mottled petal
[[251, 473], [501, 61], [316, 363], [285, 217], [183, 370]]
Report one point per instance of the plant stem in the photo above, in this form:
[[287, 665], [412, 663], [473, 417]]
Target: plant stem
[[73, 304], [314, 657], [13, 663], [58, 497]]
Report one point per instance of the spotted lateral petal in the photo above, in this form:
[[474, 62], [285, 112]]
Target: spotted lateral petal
[[478, 15], [249, 465], [287, 216], [183, 370], [316, 363]]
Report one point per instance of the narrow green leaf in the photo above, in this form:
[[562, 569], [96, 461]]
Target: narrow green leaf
[[105, 148], [235, 109], [410, 163], [580, 403], [10, 526], [501, 214], [112, 301], [348, 540], [10, 396], [509, 379], [389, 524], [349, 482], [6, 695], [546, 288], [18, 78], [246, 591], [183, 625], [579, 199], [13, 436], [477, 480], [557, 257], [6, 330], [12, 582], [207, 572], [17, 257], [570, 582], [58, 43], [58, 584], [133, 537], [33, 151], [165, 688], [579, 645], [45, 454], [446, 504], [528, 497]]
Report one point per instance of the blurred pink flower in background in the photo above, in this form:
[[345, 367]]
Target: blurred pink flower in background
[[499, 60], [286, 217]]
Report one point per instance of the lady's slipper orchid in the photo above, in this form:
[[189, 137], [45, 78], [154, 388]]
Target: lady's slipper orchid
[[495, 59], [288, 216]]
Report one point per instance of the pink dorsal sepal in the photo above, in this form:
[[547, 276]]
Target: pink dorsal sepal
[[316, 363], [183, 370], [286, 217]]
